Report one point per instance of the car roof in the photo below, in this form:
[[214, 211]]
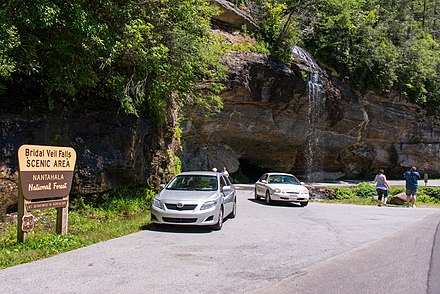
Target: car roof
[[279, 174], [201, 173]]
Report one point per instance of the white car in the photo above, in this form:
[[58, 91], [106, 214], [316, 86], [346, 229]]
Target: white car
[[281, 187], [200, 198]]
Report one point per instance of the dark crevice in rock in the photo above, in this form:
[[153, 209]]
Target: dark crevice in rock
[[247, 173]]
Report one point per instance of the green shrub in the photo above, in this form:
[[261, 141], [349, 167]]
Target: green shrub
[[344, 193], [432, 192], [396, 190], [365, 190], [423, 198], [149, 195]]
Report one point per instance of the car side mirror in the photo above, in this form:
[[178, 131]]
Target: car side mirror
[[227, 188], [264, 181], [302, 183], [162, 186]]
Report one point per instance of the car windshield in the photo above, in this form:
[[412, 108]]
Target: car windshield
[[193, 183], [283, 179]]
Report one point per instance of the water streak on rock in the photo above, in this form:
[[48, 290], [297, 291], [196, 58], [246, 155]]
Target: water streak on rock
[[316, 100]]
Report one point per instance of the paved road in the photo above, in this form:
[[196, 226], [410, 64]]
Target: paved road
[[321, 248]]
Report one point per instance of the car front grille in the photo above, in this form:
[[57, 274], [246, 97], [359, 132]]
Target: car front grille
[[291, 192], [173, 206], [179, 220]]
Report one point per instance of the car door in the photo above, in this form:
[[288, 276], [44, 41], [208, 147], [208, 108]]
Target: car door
[[260, 185], [228, 196]]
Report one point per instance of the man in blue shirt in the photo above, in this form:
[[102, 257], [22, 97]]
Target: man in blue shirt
[[411, 177]]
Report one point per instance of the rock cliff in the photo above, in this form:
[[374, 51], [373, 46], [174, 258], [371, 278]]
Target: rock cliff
[[294, 118], [298, 118], [113, 149]]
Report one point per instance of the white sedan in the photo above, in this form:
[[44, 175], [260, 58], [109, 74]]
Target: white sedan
[[195, 198], [281, 187]]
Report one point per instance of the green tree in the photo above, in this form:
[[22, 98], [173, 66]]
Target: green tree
[[141, 54], [8, 41], [378, 45], [277, 27]]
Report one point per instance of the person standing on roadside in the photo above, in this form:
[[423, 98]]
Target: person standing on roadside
[[411, 177], [382, 187]]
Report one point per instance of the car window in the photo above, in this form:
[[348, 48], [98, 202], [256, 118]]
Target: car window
[[193, 182], [228, 181], [223, 182], [283, 179]]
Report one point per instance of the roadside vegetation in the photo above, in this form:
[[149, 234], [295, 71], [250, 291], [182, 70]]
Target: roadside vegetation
[[364, 193], [92, 219]]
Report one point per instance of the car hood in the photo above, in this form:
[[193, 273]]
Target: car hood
[[289, 187], [177, 195]]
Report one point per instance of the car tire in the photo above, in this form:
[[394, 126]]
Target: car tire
[[268, 200], [233, 213], [218, 226], [256, 195], [304, 204]]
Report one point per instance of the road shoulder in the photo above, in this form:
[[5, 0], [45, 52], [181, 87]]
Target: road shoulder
[[398, 263]]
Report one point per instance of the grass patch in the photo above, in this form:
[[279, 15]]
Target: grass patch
[[353, 200], [92, 219]]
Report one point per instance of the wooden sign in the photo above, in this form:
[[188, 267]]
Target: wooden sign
[[46, 204], [46, 171]]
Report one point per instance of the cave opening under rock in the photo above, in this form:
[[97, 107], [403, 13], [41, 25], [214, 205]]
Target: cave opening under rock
[[247, 172]]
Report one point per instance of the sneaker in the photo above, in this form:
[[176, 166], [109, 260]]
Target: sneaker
[[407, 205], [414, 206], [385, 204]]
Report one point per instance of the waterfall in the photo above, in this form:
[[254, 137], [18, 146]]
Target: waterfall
[[315, 115]]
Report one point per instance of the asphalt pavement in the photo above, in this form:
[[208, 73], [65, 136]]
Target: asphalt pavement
[[282, 248], [405, 262]]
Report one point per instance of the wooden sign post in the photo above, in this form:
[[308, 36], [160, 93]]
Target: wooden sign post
[[45, 180]]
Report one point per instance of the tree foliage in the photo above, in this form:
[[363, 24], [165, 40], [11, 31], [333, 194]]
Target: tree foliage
[[378, 45], [142, 54], [278, 28]]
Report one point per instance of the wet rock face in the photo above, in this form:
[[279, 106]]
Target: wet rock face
[[266, 122]]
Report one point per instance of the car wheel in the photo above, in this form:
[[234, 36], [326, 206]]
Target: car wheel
[[218, 226], [233, 213], [268, 200], [256, 195], [303, 204]]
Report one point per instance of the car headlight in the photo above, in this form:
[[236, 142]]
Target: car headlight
[[208, 205], [305, 192], [276, 190], [157, 203]]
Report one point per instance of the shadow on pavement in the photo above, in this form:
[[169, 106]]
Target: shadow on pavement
[[179, 228], [279, 204]]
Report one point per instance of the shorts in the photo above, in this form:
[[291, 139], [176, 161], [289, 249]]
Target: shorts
[[410, 192], [381, 192]]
